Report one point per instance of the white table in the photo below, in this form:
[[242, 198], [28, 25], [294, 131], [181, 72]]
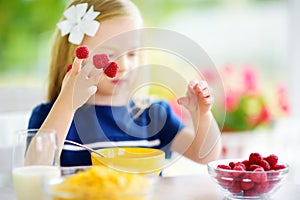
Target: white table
[[198, 187], [201, 187]]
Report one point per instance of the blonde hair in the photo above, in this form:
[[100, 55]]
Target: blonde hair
[[62, 53]]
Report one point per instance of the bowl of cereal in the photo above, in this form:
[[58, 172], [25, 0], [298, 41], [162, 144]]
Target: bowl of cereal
[[254, 178], [131, 159], [98, 183]]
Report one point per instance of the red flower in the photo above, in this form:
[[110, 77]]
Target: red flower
[[264, 116]]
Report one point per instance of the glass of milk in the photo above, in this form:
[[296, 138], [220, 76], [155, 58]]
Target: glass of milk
[[34, 159]]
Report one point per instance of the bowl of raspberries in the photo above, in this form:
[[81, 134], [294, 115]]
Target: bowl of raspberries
[[256, 177]]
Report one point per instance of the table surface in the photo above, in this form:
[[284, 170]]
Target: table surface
[[198, 187]]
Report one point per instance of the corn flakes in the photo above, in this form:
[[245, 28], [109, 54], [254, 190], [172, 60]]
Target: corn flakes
[[102, 183]]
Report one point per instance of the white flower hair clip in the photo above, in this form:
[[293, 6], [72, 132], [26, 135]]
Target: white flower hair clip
[[79, 22]]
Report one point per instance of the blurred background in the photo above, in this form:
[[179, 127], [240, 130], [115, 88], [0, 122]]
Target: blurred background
[[261, 36], [232, 32]]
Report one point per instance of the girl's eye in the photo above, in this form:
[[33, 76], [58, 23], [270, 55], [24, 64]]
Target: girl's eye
[[132, 53]]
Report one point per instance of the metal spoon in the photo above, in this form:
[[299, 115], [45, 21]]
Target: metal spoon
[[85, 147]]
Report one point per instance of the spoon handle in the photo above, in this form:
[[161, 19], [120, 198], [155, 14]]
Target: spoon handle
[[85, 147]]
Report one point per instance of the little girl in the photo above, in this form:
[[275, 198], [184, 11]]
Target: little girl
[[88, 107]]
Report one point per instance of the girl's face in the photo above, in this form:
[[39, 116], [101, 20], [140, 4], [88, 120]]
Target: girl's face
[[119, 50]]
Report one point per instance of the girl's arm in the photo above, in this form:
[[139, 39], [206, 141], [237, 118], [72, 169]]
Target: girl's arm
[[201, 143], [78, 86]]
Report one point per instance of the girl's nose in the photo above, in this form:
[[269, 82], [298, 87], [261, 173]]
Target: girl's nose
[[123, 63]]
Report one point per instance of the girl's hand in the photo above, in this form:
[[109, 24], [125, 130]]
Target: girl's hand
[[198, 98], [79, 84]]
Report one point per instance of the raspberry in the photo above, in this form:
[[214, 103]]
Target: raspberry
[[223, 173], [69, 67], [273, 183], [253, 167], [247, 164], [246, 185], [226, 183], [240, 164], [82, 52], [111, 70], [255, 158], [250, 192], [100, 60], [262, 187], [264, 164], [278, 167], [223, 167], [239, 171], [272, 160], [236, 188], [232, 164], [259, 175]]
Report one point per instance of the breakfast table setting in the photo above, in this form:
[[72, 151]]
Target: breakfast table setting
[[189, 187], [204, 186], [208, 184]]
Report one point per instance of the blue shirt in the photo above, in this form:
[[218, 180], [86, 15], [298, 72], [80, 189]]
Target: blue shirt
[[107, 126]]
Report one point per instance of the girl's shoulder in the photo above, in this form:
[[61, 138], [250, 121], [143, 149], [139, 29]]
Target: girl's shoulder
[[42, 108], [39, 114]]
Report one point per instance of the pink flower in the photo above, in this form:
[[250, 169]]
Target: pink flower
[[250, 79], [283, 99], [231, 100], [227, 70], [247, 106], [209, 76]]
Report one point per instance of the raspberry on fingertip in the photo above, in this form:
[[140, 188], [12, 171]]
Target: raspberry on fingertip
[[69, 67], [111, 70], [82, 52], [100, 61]]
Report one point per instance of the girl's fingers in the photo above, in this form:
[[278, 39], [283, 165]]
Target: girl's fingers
[[95, 77], [87, 70], [203, 85], [92, 89], [76, 66], [209, 100], [202, 89], [190, 90], [197, 91], [192, 84], [204, 93], [183, 101]]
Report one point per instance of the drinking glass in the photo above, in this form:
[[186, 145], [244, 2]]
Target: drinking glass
[[34, 159]]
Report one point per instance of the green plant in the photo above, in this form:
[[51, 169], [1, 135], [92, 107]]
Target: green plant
[[23, 25]]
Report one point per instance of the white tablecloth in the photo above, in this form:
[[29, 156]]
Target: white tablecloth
[[198, 187]]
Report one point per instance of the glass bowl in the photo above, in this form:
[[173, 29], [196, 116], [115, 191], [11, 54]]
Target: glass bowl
[[237, 184], [98, 183], [131, 159]]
